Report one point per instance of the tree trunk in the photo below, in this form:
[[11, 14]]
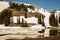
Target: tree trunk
[[39, 20], [25, 14], [59, 19], [43, 21]]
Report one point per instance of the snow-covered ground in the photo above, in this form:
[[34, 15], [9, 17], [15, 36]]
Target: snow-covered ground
[[21, 32]]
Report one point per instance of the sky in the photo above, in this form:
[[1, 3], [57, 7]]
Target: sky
[[46, 4]]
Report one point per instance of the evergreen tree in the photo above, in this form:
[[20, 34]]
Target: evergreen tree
[[5, 16], [59, 18], [18, 19], [53, 20], [22, 22], [32, 7], [39, 20], [25, 12], [43, 21], [26, 24]]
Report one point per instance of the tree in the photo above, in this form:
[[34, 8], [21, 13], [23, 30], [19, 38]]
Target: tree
[[13, 5], [25, 9], [24, 23], [0, 20], [5, 16], [53, 20], [32, 7], [25, 12], [2, 16], [18, 19], [59, 18], [39, 20], [43, 21]]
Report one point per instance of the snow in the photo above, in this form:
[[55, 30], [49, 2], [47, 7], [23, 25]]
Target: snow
[[3, 5], [46, 33], [32, 20], [21, 18], [14, 19], [36, 10], [29, 10], [58, 11], [1, 25], [36, 27], [45, 13], [33, 11], [28, 20], [27, 4]]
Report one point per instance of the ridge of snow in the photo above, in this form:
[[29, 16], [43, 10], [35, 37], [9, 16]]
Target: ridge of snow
[[27, 4]]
